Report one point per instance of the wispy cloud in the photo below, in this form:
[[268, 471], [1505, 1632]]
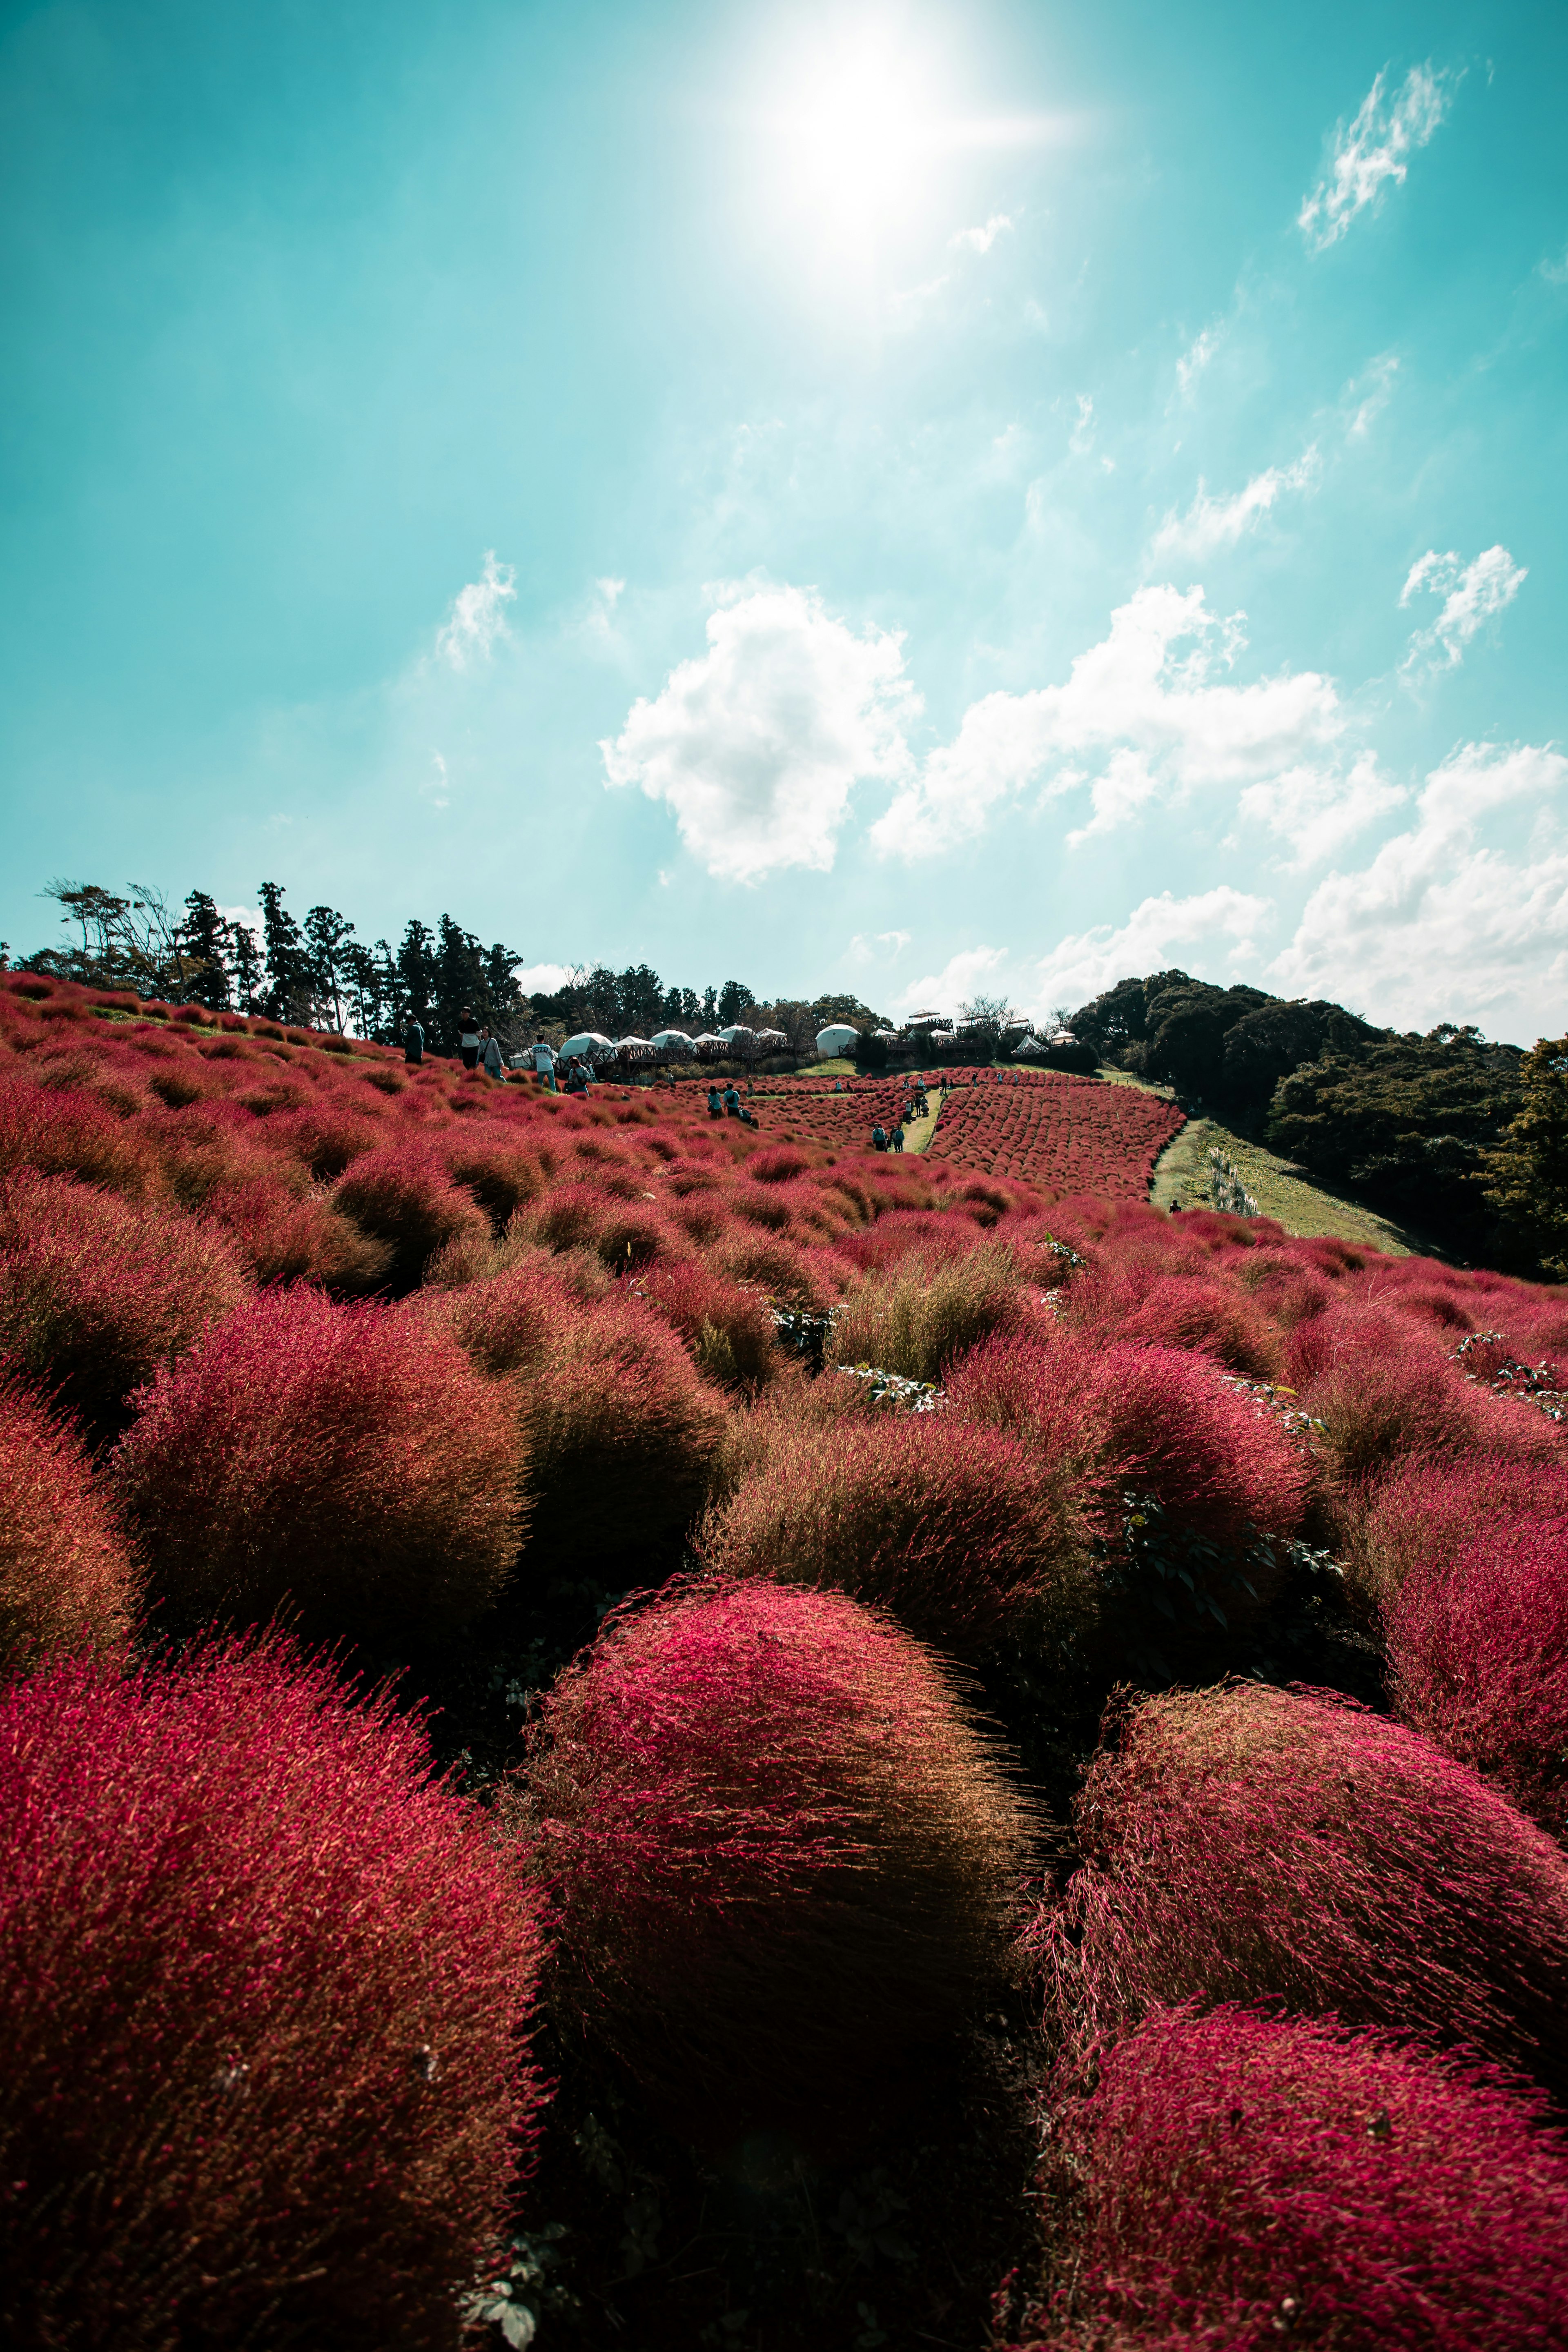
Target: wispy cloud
[[1556, 272], [1215, 522], [1194, 359], [1318, 809], [1473, 593], [882, 947], [1373, 150], [478, 616], [1370, 394], [981, 240], [436, 787]]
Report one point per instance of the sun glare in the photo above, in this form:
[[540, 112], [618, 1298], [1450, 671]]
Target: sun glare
[[858, 130]]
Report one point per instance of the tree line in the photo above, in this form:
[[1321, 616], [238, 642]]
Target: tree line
[[317, 973]]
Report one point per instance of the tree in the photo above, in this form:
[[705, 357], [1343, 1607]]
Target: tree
[[132, 942], [290, 977], [203, 936], [416, 965], [327, 934], [1527, 1172], [735, 999], [246, 962]]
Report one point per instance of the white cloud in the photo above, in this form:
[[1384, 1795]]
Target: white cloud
[[1194, 359], [1474, 593], [544, 979], [1556, 272], [1136, 714], [436, 789], [882, 947], [1219, 923], [1211, 523], [478, 616], [907, 309], [1373, 150], [758, 744], [1081, 440], [981, 240], [1317, 810], [1372, 394], [247, 918], [1437, 926]]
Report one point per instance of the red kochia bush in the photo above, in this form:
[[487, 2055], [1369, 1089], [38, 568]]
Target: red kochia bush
[[730, 1331], [66, 1579], [97, 1292], [782, 1851], [1477, 1648], [347, 1461], [956, 1531], [401, 1195], [1247, 1844], [1236, 2179], [1160, 1420], [261, 1982], [1430, 1512]]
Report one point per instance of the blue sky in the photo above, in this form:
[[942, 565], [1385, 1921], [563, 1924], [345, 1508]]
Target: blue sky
[[911, 499]]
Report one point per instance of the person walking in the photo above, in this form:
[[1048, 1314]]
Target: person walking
[[896, 1140], [491, 1056], [469, 1040], [413, 1042], [732, 1100], [715, 1103], [878, 1138]]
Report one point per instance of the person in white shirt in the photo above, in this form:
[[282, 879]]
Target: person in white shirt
[[469, 1041]]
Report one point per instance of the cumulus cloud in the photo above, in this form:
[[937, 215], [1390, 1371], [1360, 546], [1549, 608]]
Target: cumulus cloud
[[1473, 593], [758, 744], [545, 979], [1215, 522], [1146, 714], [981, 240], [1373, 150], [1317, 810], [478, 616], [1438, 920]]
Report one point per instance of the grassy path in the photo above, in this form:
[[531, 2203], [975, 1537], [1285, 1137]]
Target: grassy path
[[1281, 1189]]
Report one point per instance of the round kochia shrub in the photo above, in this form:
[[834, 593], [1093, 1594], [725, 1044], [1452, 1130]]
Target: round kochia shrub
[[1248, 1844], [622, 1432], [1157, 1421], [782, 1851], [957, 1530], [97, 1292], [919, 1315], [1234, 2180], [1477, 1651], [401, 1195], [66, 1579], [345, 1462], [261, 1982]]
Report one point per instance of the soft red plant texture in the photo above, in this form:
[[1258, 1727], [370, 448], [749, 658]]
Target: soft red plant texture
[[1074, 1134], [1234, 2180], [1252, 1845], [97, 1292], [67, 1581], [343, 1462], [1146, 1420], [959, 1531], [1478, 1653], [782, 1851], [621, 1431], [404, 1198], [728, 1328], [1430, 1511], [262, 1985]]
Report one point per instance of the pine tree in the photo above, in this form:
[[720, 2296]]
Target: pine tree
[[204, 938], [290, 992], [1529, 1169]]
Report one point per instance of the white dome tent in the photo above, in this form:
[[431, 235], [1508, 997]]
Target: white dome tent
[[672, 1040], [586, 1046], [837, 1038]]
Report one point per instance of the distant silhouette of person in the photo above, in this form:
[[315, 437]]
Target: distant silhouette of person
[[731, 1101], [715, 1103], [879, 1139], [469, 1040], [491, 1057], [576, 1077], [896, 1140], [413, 1041]]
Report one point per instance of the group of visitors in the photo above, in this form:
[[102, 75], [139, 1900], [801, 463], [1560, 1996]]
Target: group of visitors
[[892, 1139], [728, 1105], [480, 1047]]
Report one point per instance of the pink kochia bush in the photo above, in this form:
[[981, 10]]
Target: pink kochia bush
[[1155, 1421], [1478, 1652], [1234, 2180], [66, 1579], [347, 1463], [782, 1850], [261, 1986], [1246, 1844]]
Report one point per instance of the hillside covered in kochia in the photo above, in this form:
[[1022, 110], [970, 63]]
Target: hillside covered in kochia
[[1428, 1129], [917, 1644]]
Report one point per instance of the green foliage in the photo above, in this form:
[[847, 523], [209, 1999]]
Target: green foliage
[[1409, 1123], [1527, 1174], [1229, 1046]]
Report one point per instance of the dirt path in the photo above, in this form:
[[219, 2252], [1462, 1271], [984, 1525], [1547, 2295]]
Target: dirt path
[[918, 1132]]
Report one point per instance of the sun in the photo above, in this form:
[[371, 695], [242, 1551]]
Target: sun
[[858, 130]]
